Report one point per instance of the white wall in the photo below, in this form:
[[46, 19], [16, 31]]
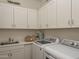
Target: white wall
[[16, 34], [72, 34], [27, 3]]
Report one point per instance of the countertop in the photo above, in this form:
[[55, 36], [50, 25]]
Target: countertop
[[20, 43]]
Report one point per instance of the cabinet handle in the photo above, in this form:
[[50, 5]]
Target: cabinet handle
[[40, 26], [46, 25], [27, 26], [69, 22], [72, 21], [40, 49], [10, 54]]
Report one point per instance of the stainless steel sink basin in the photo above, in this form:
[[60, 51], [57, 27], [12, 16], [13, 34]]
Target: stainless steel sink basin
[[7, 43], [44, 42]]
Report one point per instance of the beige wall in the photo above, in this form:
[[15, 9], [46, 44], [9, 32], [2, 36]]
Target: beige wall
[[27, 3], [72, 34], [16, 34]]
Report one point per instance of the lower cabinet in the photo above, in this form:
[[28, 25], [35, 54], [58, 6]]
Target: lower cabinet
[[17, 54], [28, 51], [37, 52]]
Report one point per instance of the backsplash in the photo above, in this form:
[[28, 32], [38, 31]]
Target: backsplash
[[72, 34], [16, 34]]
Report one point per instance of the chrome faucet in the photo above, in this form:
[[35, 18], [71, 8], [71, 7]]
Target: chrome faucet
[[11, 40]]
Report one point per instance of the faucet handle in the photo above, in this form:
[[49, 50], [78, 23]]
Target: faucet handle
[[12, 39], [9, 39]]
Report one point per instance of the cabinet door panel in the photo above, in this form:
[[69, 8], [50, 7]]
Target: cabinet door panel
[[33, 51], [37, 52], [20, 17], [6, 16], [28, 51], [32, 18], [75, 13], [17, 54], [43, 17], [51, 14], [63, 13]]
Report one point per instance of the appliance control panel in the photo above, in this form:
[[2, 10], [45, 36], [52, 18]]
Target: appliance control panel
[[70, 43]]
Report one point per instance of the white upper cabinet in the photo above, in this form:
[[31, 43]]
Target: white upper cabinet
[[63, 13], [6, 16], [47, 15], [20, 17], [51, 14], [75, 13], [43, 17], [32, 18]]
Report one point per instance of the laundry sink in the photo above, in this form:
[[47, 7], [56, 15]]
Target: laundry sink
[[43, 42]]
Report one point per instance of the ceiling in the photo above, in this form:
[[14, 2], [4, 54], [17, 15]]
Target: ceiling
[[43, 0], [40, 0]]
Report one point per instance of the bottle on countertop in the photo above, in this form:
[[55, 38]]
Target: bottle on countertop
[[40, 35]]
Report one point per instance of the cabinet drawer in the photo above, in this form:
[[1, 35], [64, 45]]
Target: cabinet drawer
[[17, 47], [4, 48], [17, 50], [4, 52], [11, 47]]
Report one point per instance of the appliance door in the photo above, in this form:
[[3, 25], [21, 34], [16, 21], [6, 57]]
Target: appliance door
[[48, 56]]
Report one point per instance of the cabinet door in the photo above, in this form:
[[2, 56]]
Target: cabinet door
[[43, 17], [33, 51], [20, 17], [51, 14], [37, 52], [63, 13], [4, 55], [6, 16], [28, 51], [32, 18], [75, 13], [17, 54]]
